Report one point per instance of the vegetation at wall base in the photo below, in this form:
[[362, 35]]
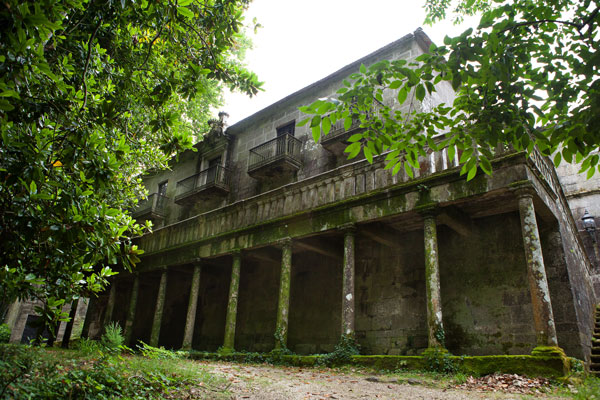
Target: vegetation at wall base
[[342, 353], [4, 333]]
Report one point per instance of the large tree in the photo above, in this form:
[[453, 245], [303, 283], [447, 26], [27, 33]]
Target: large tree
[[527, 76], [92, 94]]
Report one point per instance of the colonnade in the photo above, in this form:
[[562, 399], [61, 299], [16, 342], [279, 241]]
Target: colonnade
[[537, 282]]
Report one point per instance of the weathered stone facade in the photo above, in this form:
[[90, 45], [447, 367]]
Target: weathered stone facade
[[267, 240]]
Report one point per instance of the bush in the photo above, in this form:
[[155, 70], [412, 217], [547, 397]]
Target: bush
[[161, 353], [88, 346], [4, 333], [33, 373], [343, 352], [113, 339]]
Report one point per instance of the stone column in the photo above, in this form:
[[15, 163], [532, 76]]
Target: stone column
[[158, 310], [69, 327], [131, 312], [536, 272], [232, 302], [348, 284], [283, 306], [110, 306], [432, 283], [190, 319]]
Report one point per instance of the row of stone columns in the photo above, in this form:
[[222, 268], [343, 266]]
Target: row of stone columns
[[538, 286]]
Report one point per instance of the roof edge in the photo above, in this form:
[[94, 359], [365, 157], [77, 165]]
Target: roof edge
[[421, 38]]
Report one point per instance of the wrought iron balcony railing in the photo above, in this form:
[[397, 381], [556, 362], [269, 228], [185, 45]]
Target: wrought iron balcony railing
[[207, 182], [284, 148], [154, 206], [335, 140]]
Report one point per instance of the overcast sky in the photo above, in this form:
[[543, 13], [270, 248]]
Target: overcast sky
[[303, 41]]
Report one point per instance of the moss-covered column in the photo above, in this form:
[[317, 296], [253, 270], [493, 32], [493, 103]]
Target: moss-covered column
[[131, 312], [190, 319], [536, 272], [283, 306], [234, 286], [158, 310], [348, 283], [432, 282], [110, 306]]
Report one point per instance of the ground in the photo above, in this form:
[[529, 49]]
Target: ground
[[275, 382]]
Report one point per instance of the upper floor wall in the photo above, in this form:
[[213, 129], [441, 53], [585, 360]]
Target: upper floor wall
[[228, 158]]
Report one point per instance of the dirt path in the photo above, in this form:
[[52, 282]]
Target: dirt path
[[287, 383]]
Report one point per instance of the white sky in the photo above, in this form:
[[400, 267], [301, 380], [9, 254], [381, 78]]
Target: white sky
[[303, 41]]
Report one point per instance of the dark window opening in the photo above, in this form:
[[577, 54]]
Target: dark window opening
[[287, 129], [162, 188]]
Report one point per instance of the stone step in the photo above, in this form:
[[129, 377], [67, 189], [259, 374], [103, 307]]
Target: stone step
[[595, 366]]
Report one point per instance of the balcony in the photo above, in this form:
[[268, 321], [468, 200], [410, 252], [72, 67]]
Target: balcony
[[212, 182], [336, 140], [154, 207], [277, 157]]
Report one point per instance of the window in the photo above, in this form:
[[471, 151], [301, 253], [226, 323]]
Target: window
[[211, 173], [287, 129], [162, 188]]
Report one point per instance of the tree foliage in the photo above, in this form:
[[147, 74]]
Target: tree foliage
[[526, 76], [93, 93]]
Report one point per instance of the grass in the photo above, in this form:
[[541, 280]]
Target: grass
[[29, 372], [91, 373]]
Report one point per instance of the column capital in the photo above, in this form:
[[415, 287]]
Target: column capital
[[428, 209], [286, 241], [523, 188], [348, 228]]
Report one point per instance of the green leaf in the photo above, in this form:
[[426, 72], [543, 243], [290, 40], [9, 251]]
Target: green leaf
[[316, 121], [409, 171], [355, 138], [347, 123], [303, 122], [368, 155], [557, 159], [420, 92], [326, 124], [316, 133], [363, 69], [395, 84], [472, 172], [402, 94], [6, 106], [353, 149], [32, 187], [185, 12]]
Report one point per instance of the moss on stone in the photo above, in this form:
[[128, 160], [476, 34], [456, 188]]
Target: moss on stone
[[551, 367]]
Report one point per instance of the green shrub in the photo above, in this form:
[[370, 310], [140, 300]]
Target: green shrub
[[159, 353], [113, 339], [4, 333], [33, 373], [89, 346], [438, 360], [343, 352]]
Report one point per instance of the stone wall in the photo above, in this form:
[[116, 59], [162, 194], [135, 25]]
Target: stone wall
[[315, 303], [390, 294]]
